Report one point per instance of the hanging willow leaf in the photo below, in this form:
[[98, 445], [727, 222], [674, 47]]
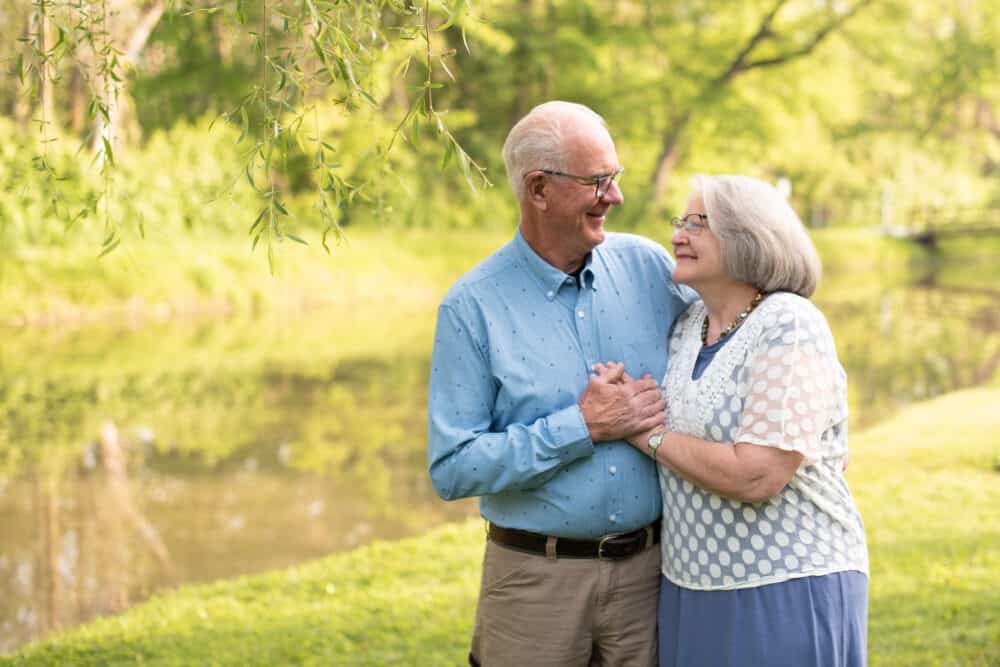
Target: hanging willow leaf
[[108, 153], [256, 222], [109, 246], [447, 71], [449, 152], [244, 124]]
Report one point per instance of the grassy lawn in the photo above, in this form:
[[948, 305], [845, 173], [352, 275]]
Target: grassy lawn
[[925, 481], [212, 275]]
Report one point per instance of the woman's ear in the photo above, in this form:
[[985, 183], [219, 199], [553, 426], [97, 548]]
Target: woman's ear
[[535, 190]]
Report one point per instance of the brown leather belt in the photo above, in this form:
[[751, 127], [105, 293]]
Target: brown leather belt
[[610, 547]]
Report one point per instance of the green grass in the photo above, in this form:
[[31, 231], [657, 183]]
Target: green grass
[[925, 480], [185, 275], [929, 490]]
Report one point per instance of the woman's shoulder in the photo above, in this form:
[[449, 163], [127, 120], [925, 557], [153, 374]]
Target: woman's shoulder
[[788, 307], [788, 318]]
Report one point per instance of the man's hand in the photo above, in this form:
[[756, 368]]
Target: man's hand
[[615, 406]]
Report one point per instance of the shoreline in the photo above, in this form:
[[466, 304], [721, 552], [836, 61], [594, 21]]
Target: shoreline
[[217, 277]]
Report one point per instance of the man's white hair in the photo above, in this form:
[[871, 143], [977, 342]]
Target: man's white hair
[[761, 238], [537, 141]]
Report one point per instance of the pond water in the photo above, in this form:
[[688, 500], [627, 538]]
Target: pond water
[[137, 459]]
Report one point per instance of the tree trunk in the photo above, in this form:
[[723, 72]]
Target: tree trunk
[[742, 62], [522, 60], [78, 100], [669, 156], [21, 101], [111, 130], [45, 93]]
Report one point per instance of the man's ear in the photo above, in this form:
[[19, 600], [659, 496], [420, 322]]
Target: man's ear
[[536, 192]]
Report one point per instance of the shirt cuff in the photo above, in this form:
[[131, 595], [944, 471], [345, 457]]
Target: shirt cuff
[[569, 434]]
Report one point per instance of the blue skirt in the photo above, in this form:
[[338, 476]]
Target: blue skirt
[[808, 622]]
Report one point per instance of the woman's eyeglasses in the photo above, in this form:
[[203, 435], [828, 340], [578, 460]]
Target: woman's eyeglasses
[[692, 223]]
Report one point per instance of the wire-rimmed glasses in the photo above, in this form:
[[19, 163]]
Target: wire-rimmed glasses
[[601, 183], [692, 223]]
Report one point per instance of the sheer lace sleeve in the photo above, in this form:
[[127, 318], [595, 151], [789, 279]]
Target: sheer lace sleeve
[[794, 390]]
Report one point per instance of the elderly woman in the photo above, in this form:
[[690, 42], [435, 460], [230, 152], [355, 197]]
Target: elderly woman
[[764, 555]]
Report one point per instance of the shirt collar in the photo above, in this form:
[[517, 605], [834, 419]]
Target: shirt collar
[[549, 277]]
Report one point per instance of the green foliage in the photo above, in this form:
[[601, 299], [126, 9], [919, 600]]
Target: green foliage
[[933, 599], [340, 108], [181, 178]]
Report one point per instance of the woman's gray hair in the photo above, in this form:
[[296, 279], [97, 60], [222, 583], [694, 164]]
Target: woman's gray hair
[[537, 141], [761, 239]]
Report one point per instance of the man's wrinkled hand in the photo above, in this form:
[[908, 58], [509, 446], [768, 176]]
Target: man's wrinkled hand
[[615, 406]]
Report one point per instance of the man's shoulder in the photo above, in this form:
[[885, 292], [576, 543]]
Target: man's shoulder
[[470, 284], [632, 244]]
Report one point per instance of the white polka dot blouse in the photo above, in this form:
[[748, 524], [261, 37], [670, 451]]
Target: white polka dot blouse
[[776, 383]]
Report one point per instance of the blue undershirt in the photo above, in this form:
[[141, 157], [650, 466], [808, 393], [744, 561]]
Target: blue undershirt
[[707, 353]]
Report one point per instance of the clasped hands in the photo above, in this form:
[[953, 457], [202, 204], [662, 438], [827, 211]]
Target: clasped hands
[[618, 407]]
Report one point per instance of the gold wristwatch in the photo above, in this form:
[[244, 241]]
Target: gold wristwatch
[[654, 441]]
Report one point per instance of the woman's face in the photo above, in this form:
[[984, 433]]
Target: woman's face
[[696, 249]]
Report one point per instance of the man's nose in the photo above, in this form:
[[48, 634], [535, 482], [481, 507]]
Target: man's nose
[[614, 195]]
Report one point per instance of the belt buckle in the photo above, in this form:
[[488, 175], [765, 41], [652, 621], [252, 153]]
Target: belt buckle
[[600, 545]]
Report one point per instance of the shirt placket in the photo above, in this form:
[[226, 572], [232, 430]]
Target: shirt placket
[[588, 334]]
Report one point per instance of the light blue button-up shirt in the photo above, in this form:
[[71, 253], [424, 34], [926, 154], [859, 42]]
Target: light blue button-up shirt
[[515, 342]]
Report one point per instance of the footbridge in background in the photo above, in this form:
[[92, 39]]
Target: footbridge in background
[[927, 226]]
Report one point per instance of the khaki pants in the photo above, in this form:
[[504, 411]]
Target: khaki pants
[[576, 612]]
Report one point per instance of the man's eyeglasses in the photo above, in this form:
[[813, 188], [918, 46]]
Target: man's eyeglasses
[[601, 183], [692, 223]]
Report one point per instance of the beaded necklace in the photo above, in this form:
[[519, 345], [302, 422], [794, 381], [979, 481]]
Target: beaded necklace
[[735, 323]]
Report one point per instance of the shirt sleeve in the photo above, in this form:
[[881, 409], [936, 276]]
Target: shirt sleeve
[[468, 458], [795, 390]]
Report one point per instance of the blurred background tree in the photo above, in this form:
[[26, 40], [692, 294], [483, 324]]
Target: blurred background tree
[[344, 113]]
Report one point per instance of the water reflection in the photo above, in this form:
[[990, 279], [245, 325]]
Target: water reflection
[[906, 343], [133, 460]]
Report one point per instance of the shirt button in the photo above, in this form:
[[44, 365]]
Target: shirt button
[[569, 280], [579, 314], [550, 294], [613, 517], [612, 470]]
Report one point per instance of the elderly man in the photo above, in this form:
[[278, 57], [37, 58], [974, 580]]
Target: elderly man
[[571, 570]]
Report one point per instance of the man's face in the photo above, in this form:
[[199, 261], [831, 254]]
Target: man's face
[[576, 212]]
